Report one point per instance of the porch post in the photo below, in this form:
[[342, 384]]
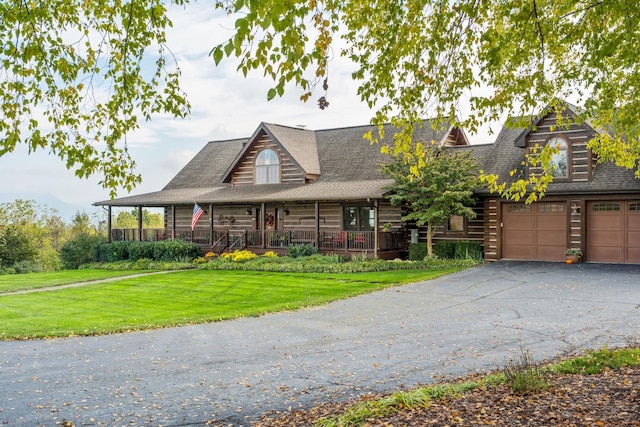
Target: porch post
[[376, 237], [263, 225], [210, 224], [109, 223], [139, 223], [317, 214], [173, 222]]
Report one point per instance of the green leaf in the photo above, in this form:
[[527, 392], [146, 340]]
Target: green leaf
[[217, 55]]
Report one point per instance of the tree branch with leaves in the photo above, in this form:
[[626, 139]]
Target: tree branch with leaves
[[77, 76], [466, 61]]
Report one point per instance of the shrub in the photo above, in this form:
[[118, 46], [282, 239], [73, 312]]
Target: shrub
[[15, 246], [111, 252], [296, 251], [166, 250], [444, 249], [466, 249], [79, 250], [418, 251], [362, 257], [141, 250], [172, 250], [329, 264], [26, 266]]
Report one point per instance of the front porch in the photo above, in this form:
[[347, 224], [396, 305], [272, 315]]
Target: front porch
[[388, 244]]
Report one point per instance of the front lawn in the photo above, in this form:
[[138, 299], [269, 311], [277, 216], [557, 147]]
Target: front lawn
[[180, 298], [18, 282]]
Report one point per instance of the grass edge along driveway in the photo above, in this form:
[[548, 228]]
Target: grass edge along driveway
[[182, 298]]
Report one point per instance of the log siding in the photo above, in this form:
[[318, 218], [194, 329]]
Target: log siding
[[290, 173], [580, 159]]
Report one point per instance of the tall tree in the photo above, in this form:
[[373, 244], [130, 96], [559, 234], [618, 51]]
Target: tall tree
[[34, 233], [15, 246], [441, 187], [129, 219]]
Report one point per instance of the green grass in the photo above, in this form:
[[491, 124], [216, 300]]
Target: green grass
[[591, 363], [180, 298], [594, 362], [17, 282]]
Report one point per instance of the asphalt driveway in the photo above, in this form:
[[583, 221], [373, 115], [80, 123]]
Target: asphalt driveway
[[233, 371]]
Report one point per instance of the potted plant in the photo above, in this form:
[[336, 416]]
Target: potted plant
[[573, 255]]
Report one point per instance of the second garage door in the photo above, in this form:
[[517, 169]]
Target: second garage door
[[534, 232], [613, 232]]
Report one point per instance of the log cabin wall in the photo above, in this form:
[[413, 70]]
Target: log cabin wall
[[302, 216], [291, 216], [581, 161], [388, 213], [227, 216], [473, 230], [289, 172]]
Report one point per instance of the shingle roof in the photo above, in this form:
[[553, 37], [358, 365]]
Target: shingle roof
[[207, 168], [300, 144], [346, 165]]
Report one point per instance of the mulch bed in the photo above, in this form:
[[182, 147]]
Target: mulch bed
[[611, 398]]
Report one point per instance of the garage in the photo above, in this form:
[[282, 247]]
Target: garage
[[534, 232], [613, 231]]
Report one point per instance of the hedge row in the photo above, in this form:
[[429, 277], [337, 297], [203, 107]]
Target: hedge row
[[166, 250], [448, 249]]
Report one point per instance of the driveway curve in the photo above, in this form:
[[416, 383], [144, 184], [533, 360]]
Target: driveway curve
[[231, 372]]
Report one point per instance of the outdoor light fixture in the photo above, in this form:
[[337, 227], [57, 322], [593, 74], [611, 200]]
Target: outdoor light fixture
[[575, 208], [286, 211], [248, 211]]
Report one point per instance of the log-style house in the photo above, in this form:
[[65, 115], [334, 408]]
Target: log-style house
[[284, 185]]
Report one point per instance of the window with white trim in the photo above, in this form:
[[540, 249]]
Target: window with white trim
[[560, 160], [267, 168]]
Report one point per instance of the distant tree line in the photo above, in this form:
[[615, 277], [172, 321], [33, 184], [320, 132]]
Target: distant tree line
[[34, 237]]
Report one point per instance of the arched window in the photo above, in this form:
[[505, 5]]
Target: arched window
[[560, 160], [267, 167]]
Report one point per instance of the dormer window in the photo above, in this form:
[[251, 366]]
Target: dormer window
[[560, 160], [267, 167]]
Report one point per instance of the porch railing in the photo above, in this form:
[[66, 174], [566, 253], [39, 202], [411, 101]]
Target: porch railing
[[229, 240], [131, 234]]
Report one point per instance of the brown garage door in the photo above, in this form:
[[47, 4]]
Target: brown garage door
[[534, 232], [613, 232]]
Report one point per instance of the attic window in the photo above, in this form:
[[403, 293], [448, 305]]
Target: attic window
[[560, 160], [267, 167]]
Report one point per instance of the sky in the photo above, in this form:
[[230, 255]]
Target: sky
[[224, 104]]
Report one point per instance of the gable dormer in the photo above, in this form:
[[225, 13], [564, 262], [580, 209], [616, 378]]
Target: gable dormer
[[573, 162], [276, 155]]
